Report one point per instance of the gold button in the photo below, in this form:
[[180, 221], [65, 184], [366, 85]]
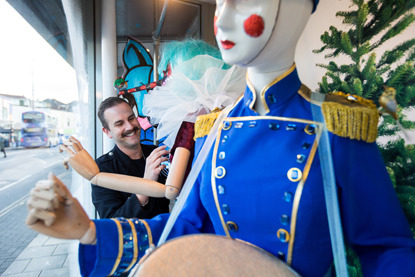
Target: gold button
[[294, 174], [232, 226], [226, 125], [283, 235], [310, 129], [220, 172]]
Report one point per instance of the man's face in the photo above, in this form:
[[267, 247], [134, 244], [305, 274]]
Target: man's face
[[123, 125], [243, 28]]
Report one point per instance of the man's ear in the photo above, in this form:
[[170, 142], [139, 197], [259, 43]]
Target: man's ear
[[107, 132]]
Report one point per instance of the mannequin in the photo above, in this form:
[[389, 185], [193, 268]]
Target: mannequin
[[252, 52], [261, 182], [192, 64]]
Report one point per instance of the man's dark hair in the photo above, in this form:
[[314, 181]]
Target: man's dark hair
[[106, 104]]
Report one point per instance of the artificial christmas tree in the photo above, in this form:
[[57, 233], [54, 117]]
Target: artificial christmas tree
[[369, 73], [372, 23]]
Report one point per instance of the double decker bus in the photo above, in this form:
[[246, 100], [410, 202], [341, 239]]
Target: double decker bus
[[38, 130]]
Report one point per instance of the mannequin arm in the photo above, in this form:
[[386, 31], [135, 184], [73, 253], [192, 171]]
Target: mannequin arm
[[177, 171], [54, 212], [85, 166], [151, 188], [79, 159], [129, 184]]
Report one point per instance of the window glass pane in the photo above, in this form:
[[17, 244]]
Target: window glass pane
[[39, 109]]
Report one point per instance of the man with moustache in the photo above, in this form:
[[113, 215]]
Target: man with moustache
[[128, 157]]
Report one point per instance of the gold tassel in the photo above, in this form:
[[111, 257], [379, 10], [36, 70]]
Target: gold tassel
[[204, 124], [351, 116]]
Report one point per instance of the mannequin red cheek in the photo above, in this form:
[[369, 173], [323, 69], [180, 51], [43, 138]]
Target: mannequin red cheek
[[254, 25], [215, 28]]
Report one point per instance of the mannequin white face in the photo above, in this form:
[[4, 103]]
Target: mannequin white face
[[244, 27]]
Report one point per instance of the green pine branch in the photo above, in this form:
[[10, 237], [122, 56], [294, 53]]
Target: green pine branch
[[395, 30], [372, 23]]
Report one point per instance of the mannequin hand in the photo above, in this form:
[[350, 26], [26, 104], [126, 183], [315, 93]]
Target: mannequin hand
[[153, 163], [54, 212], [79, 159]]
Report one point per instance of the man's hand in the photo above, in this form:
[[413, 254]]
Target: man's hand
[[153, 163], [54, 212], [79, 159], [142, 199]]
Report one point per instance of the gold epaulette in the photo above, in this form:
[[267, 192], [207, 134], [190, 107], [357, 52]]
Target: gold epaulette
[[348, 116], [204, 123], [351, 116]]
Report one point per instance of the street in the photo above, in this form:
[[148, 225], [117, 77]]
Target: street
[[19, 173]]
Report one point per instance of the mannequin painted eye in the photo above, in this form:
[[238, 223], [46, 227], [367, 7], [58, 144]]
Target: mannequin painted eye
[[254, 25]]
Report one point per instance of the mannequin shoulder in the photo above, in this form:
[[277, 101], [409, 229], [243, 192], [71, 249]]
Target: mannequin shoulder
[[347, 115], [351, 116], [204, 124]]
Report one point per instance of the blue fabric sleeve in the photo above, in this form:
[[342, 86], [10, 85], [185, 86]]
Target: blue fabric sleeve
[[120, 245], [374, 226], [99, 259]]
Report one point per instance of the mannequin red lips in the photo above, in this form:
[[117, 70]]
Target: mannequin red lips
[[226, 44]]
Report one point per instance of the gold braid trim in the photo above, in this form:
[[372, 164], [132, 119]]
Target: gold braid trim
[[204, 123], [351, 116], [348, 116]]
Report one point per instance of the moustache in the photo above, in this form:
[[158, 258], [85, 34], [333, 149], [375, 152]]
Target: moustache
[[126, 133]]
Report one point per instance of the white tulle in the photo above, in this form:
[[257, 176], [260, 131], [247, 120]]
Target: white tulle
[[182, 99]]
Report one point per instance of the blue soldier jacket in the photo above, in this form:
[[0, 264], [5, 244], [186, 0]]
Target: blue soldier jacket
[[262, 184]]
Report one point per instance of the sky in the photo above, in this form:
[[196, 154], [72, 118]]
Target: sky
[[23, 54]]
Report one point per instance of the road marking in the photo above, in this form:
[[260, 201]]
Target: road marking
[[15, 204], [24, 178], [14, 183], [23, 200]]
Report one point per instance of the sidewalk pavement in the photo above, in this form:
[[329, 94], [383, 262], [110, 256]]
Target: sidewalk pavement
[[46, 257]]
